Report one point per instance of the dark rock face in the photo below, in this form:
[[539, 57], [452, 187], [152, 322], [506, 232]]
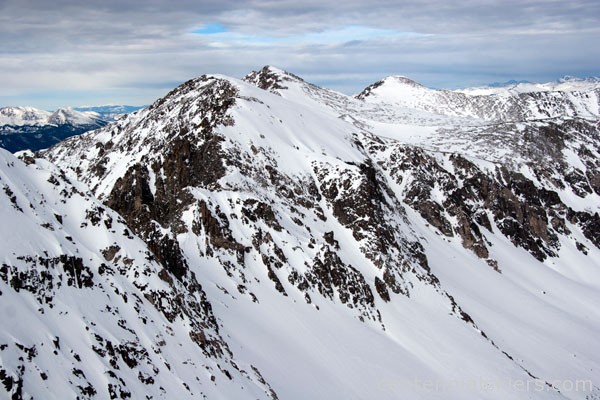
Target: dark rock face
[[369, 89], [190, 156], [467, 201], [439, 196], [330, 276], [42, 280], [269, 79], [265, 79], [360, 209], [363, 202], [589, 224]]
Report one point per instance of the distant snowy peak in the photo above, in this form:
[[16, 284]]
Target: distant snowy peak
[[29, 116], [29, 128], [403, 80], [23, 116], [391, 87], [395, 87], [570, 83], [73, 117]]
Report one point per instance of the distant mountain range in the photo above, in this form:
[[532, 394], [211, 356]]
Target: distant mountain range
[[507, 83], [511, 87], [564, 79], [30, 128], [20, 116], [110, 112]]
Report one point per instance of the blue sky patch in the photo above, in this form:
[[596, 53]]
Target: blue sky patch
[[334, 36], [210, 29]]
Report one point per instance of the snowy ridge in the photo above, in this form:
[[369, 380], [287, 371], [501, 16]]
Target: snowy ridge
[[337, 244], [565, 84], [497, 104]]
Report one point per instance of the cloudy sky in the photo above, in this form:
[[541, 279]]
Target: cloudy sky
[[56, 53]]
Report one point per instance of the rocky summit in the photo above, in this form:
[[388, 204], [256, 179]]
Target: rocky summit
[[268, 238]]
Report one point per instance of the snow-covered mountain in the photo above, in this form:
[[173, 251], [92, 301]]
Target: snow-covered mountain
[[19, 116], [29, 128], [506, 104], [403, 243]]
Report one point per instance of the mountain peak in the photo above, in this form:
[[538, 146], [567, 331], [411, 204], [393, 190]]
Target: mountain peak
[[392, 83], [271, 78], [404, 80], [23, 116], [73, 117]]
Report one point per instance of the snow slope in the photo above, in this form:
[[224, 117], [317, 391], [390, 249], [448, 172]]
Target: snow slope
[[86, 310]]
